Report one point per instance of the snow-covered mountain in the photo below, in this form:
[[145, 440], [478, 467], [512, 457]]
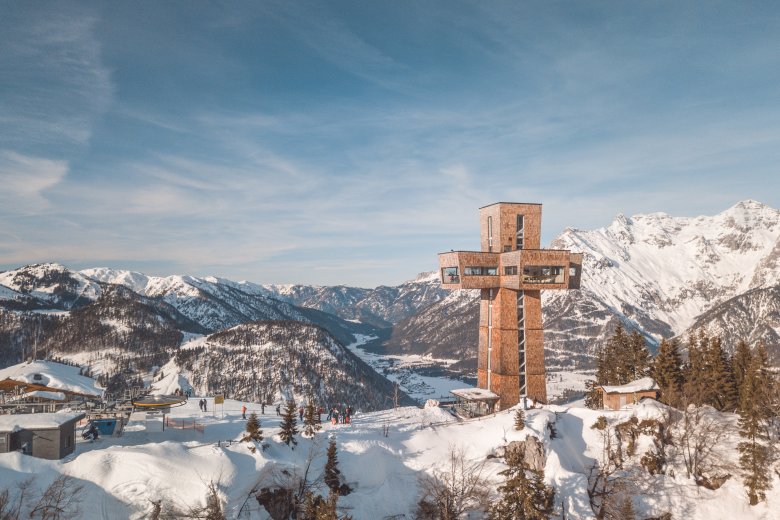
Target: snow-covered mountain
[[46, 286], [753, 316], [657, 273], [274, 360], [382, 306], [215, 303], [671, 269]]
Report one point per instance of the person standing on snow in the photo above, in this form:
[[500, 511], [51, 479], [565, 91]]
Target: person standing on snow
[[300, 413], [243, 412], [278, 407], [262, 408]]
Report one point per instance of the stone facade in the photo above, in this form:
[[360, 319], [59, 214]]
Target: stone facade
[[511, 271]]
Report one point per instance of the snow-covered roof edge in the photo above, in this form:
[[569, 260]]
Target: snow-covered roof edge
[[640, 385]]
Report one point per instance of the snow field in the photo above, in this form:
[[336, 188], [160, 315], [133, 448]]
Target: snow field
[[121, 475]]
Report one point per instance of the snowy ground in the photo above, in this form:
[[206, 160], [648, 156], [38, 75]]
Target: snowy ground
[[122, 475]]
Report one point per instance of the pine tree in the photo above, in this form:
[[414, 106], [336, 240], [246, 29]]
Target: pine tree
[[519, 419], [721, 388], [289, 423], [615, 371], [695, 389], [740, 363], [253, 431], [310, 424], [332, 476], [593, 396], [667, 372], [637, 357], [523, 496], [754, 414]]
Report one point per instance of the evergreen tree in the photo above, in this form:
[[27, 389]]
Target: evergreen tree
[[721, 388], [615, 370], [523, 496], [695, 389], [667, 372], [310, 424], [253, 431], [754, 414], [637, 359], [593, 396], [332, 476], [519, 419], [740, 363], [289, 423]]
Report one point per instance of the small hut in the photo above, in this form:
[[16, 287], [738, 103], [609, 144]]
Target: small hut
[[475, 402], [45, 435], [617, 397]]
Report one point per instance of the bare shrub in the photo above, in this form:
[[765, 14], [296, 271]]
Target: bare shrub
[[60, 500], [450, 493], [697, 433]]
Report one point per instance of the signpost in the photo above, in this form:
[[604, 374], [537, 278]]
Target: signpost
[[219, 399]]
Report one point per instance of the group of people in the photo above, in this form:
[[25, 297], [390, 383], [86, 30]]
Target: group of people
[[183, 393], [202, 405], [337, 417]]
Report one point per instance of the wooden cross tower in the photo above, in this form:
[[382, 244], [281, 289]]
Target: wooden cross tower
[[511, 271]]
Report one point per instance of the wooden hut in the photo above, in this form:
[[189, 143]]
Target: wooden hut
[[45, 435], [619, 396]]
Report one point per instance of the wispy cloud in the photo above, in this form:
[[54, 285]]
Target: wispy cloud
[[55, 84], [24, 179]]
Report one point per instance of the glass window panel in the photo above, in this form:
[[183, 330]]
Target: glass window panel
[[450, 275]]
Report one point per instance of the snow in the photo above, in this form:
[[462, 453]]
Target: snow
[[476, 394], [41, 394], [121, 475], [675, 268], [52, 375], [35, 421], [640, 385]]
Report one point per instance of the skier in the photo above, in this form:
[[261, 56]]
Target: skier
[[262, 408], [300, 413], [243, 412], [278, 408], [204, 405], [348, 412]]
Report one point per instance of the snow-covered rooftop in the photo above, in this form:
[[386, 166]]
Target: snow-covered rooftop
[[42, 394], [36, 421], [640, 385], [52, 375], [474, 394]]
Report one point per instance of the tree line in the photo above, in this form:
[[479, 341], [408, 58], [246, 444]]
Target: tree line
[[709, 376]]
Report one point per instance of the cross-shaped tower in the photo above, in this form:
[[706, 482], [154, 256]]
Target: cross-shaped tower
[[511, 271]]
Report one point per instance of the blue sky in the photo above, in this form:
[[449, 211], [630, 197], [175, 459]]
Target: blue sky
[[350, 142]]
